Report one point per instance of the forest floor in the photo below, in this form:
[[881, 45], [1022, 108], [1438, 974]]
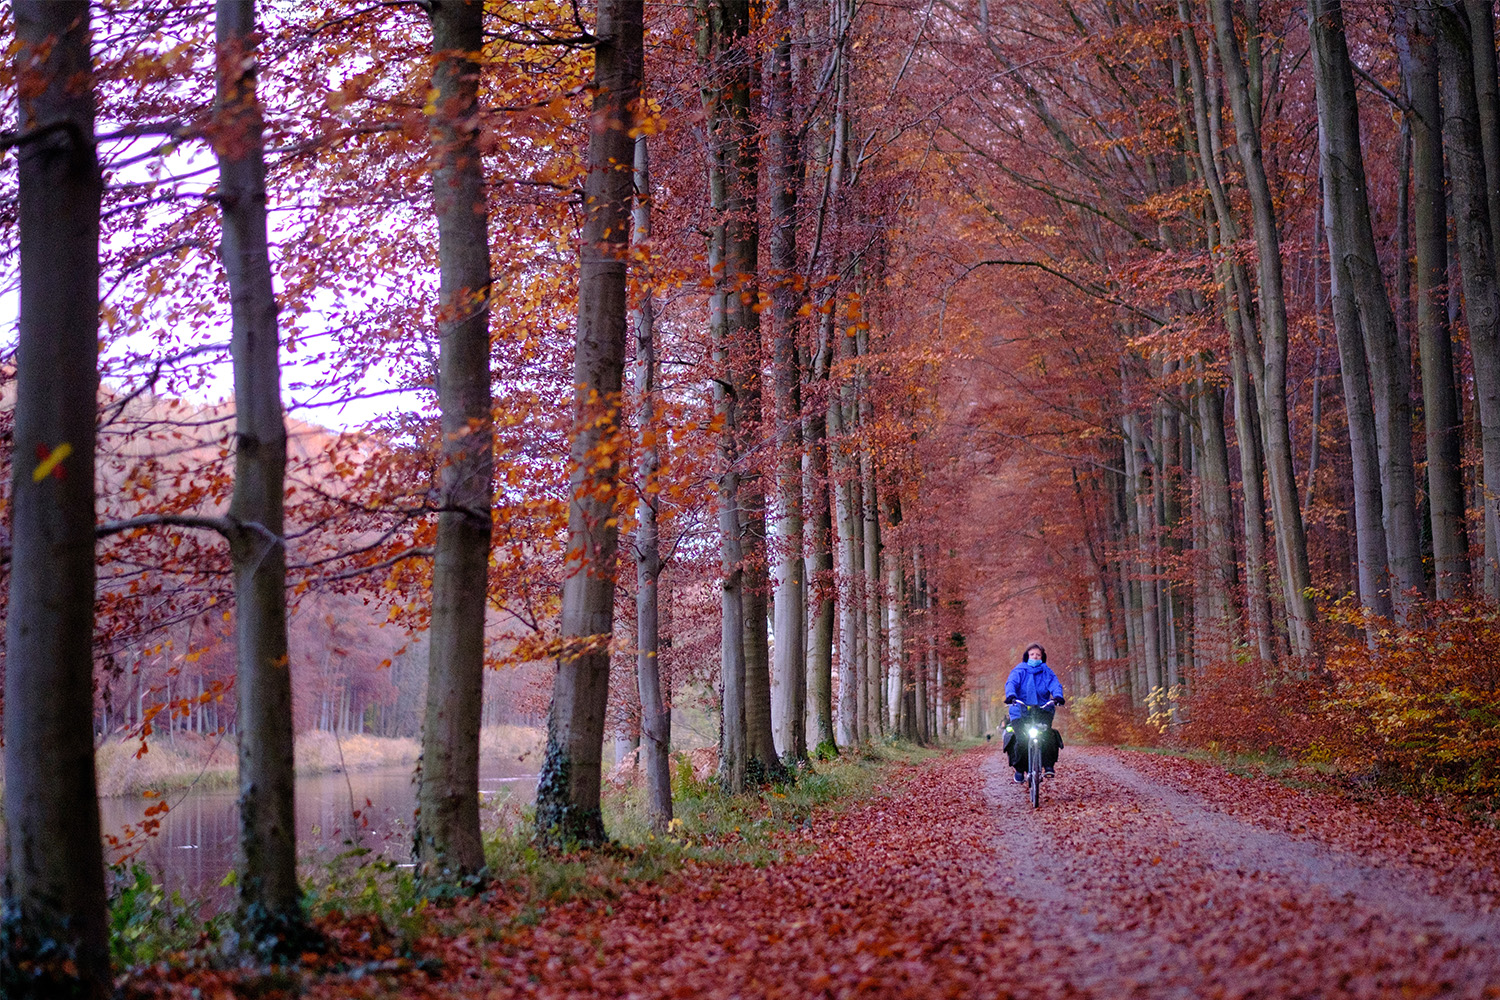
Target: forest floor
[[1141, 876]]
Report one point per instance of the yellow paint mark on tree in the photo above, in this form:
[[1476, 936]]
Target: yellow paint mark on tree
[[50, 462]]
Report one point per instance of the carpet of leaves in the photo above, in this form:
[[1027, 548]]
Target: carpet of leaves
[[1141, 877]]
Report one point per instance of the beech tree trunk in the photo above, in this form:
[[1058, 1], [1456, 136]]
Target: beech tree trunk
[[1481, 17], [821, 588], [1476, 251], [784, 175], [1441, 413], [1213, 477], [270, 900], [844, 483], [567, 804], [1356, 267], [895, 610], [1234, 285], [656, 714], [1140, 492], [54, 937], [1266, 355], [448, 841], [721, 26], [1369, 525], [870, 535]]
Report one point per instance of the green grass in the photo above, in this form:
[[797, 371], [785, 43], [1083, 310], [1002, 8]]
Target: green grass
[[708, 826]]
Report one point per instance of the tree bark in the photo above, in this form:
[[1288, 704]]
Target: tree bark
[[656, 714], [844, 483], [895, 608], [1364, 456], [1476, 252], [448, 839], [1234, 285], [1213, 477], [567, 804], [784, 175], [54, 937], [1356, 266], [1135, 455], [1266, 354], [270, 900], [722, 25], [821, 588], [1481, 16], [1440, 407]]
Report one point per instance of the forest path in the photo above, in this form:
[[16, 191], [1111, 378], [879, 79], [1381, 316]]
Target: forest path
[[1142, 876], [1153, 888]]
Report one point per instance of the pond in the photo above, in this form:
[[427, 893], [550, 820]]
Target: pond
[[193, 850]]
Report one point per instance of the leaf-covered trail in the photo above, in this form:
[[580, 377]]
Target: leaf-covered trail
[[1170, 879], [1140, 877]]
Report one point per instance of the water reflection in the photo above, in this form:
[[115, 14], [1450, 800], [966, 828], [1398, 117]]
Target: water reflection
[[194, 849]]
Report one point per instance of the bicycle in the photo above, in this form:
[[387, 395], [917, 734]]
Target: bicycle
[[1037, 726]]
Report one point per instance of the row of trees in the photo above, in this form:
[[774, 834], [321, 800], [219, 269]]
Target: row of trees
[[1259, 238], [440, 188]]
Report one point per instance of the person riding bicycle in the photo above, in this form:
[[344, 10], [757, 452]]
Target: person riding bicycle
[[1032, 683]]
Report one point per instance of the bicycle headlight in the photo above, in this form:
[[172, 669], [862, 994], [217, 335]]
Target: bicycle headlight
[[1033, 731]]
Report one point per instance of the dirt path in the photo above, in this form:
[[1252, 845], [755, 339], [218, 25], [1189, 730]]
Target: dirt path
[[1151, 891]]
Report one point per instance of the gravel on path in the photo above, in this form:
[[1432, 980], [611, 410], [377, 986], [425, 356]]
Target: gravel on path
[[1151, 891]]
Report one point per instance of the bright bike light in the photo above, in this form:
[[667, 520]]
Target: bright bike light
[[1033, 731]]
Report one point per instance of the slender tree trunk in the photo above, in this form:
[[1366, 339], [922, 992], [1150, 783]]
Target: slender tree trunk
[[567, 805], [1267, 354], [1234, 291], [1481, 16], [656, 715], [1213, 477], [448, 838], [1476, 252], [784, 175], [53, 934], [917, 693], [720, 26], [843, 485], [821, 587], [895, 608], [1356, 269], [270, 899], [761, 739], [1146, 561], [1359, 414], [873, 614], [1440, 408], [857, 585]]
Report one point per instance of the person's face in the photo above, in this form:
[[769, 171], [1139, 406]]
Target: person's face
[[1034, 656]]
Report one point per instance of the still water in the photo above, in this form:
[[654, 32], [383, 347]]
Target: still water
[[193, 850]]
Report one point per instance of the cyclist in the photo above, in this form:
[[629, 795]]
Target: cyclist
[[1032, 683]]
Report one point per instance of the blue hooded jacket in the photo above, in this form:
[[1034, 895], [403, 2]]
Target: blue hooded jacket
[[1033, 684]]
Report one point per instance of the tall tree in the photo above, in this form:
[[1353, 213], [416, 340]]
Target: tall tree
[[270, 909], [784, 174], [1468, 179], [656, 714], [448, 837], [1355, 265], [1443, 419], [568, 791], [53, 932], [1267, 353]]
